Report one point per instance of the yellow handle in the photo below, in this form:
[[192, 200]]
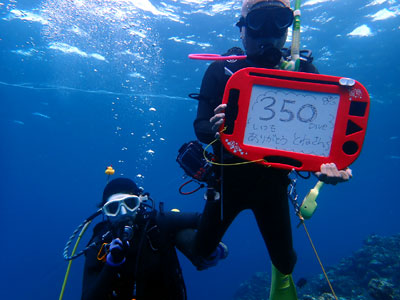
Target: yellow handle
[[310, 204]]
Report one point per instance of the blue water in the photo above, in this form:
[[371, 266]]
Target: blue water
[[86, 84]]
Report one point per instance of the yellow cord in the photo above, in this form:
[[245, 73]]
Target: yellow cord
[[233, 164], [319, 260], [70, 262]]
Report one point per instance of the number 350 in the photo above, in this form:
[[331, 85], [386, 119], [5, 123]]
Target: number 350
[[307, 113]]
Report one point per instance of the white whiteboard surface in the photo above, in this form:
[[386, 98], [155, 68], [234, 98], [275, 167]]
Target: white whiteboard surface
[[291, 120]]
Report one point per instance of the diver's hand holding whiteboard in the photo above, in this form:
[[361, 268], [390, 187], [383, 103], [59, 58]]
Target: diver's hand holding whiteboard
[[294, 120]]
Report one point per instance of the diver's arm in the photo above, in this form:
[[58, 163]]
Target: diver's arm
[[98, 277], [202, 125]]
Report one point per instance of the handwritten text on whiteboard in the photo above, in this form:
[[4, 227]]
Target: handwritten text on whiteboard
[[291, 120]]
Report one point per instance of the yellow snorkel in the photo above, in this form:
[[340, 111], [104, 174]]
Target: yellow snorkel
[[282, 286], [294, 63]]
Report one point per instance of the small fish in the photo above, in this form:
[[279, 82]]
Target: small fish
[[41, 115], [301, 282]]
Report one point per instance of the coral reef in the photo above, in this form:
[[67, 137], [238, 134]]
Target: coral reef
[[371, 273], [257, 288]]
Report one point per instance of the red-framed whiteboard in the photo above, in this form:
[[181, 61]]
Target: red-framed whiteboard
[[294, 120]]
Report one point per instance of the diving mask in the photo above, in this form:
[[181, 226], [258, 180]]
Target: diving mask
[[122, 204], [267, 21]]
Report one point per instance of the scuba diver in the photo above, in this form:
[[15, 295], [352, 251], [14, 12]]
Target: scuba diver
[[132, 251], [263, 29]]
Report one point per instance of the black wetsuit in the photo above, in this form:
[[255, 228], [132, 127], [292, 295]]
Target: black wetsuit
[[153, 273], [251, 186]]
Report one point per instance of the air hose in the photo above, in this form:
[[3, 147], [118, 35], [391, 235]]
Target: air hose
[[85, 226], [82, 228]]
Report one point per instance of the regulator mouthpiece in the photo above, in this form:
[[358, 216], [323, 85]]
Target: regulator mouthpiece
[[267, 56], [127, 233]]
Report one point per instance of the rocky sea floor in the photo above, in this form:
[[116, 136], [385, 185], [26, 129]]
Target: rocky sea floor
[[371, 273]]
